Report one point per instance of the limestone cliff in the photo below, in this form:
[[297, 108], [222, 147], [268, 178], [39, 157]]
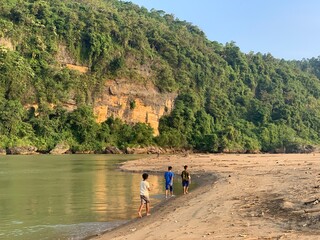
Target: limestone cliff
[[126, 99], [133, 103]]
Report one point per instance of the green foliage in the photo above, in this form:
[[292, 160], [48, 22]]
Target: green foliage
[[11, 120], [172, 138], [142, 135], [15, 76], [227, 101], [115, 132], [132, 104]]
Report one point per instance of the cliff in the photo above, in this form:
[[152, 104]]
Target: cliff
[[133, 103]]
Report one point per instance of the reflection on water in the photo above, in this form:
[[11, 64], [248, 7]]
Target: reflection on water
[[67, 197]]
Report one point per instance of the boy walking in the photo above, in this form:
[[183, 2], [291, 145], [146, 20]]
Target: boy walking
[[168, 176], [186, 178], [144, 195]]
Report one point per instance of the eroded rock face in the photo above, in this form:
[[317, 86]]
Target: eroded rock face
[[65, 59], [144, 150], [133, 103], [112, 150], [3, 151], [25, 150], [128, 101], [60, 148], [132, 100]]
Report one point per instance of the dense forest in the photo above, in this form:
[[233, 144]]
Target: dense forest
[[227, 101]]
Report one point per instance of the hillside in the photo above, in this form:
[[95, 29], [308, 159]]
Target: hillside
[[94, 74]]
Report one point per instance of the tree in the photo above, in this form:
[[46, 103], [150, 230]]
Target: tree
[[15, 76], [83, 126]]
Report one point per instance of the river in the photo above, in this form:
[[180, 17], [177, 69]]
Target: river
[[67, 196]]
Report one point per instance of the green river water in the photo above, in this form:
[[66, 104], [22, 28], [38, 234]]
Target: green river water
[[67, 196]]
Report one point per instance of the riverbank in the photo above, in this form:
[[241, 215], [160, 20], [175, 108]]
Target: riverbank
[[258, 196]]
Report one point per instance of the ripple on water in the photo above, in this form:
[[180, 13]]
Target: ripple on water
[[59, 231]]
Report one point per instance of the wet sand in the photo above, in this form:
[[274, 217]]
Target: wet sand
[[258, 196]]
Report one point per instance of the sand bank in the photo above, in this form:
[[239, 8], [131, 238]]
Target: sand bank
[[259, 196]]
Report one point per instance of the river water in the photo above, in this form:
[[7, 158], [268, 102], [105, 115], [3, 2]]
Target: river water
[[67, 196]]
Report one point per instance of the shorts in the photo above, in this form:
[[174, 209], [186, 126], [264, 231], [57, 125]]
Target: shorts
[[144, 199], [169, 186], [185, 183]]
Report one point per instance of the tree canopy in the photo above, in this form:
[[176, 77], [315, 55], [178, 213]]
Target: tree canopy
[[228, 101]]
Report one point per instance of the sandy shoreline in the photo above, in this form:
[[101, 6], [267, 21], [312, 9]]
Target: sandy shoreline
[[259, 196]]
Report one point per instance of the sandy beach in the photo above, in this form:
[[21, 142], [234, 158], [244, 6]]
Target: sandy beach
[[250, 196]]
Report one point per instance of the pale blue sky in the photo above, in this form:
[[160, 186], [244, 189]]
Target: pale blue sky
[[288, 29]]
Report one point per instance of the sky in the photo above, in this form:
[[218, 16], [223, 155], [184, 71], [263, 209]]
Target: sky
[[288, 29]]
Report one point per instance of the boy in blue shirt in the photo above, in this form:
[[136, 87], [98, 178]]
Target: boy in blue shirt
[[168, 176]]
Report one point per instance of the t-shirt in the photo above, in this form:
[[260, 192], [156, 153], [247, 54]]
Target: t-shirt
[[168, 176], [144, 185], [185, 175]]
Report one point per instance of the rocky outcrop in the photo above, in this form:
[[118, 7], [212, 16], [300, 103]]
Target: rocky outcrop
[[84, 152], [60, 148], [296, 148], [112, 150], [133, 102], [156, 150], [144, 150], [64, 57], [133, 99], [3, 151], [25, 150], [79, 68]]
